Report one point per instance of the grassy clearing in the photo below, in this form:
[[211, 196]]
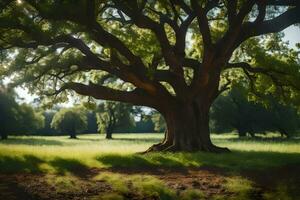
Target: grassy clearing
[[65, 162], [60, 154]]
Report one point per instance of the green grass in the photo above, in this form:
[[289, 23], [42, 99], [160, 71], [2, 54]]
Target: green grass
[[145, 186], [69, 160], [60, 154], [241, 186]]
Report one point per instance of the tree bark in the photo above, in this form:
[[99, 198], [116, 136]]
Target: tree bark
[[187, 130]]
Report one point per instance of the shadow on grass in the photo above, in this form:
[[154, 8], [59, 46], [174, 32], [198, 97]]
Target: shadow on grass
[[139, 163], [31, 141], [75, 167], [132, 140], [141, 140], [277, 174], [242, 160], [27, 163], [236, 161], [32, 164], [89, 139], [265, 139]]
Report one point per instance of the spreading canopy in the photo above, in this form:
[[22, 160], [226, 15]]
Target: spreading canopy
[[175, 56], [152, 49]]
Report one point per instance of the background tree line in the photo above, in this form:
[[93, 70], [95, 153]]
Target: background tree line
[[232, 111]]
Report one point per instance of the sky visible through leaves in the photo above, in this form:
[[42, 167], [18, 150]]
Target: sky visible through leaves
[[292, 34]]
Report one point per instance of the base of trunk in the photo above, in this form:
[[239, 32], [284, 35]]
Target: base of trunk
[[167, 147], [187, 130], [72, 137]]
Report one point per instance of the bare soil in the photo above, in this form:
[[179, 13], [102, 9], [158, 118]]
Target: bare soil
[[208, 180]]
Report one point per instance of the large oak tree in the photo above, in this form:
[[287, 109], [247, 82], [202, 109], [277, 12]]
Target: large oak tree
[[171, 55]]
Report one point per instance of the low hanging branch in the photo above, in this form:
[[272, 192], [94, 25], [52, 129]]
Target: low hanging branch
[[142, 44]]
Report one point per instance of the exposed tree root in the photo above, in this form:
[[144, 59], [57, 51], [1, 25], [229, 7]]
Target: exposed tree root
[[215, 149], [158, 147], [170, 147]]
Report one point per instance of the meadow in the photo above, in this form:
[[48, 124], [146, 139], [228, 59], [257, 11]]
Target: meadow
[[91, 167]]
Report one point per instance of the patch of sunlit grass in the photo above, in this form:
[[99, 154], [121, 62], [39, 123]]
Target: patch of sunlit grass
[[117, 182], [63, 183], [142, 185], [190, 194], [38, 153], [240, 186]]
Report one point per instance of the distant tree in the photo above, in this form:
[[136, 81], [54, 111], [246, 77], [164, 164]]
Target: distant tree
[[249, 115], [144, 125], [70, 120], [222, 114], [159, 122], [113, 115], [8, 113], [235, 111], [29, 120], [143, 120], [15, 118], [47, 129], [92, 126], [283, 118]]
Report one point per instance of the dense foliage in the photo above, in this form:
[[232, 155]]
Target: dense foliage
[[70, 120], [17, 118], [8, 116], [234, 111], [174, 56], [112, 116]]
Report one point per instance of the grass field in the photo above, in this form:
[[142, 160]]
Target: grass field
[[95, 168]]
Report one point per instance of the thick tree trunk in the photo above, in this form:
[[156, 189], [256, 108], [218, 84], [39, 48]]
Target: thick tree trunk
[[187, 130]]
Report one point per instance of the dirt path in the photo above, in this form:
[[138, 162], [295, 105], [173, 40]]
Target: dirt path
[[210, 181], [35, 186], [11, 190]]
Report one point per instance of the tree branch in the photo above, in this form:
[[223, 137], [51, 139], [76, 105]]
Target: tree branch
[[231, 9], [202, 23], [268, 72], [136, 96], [283, 2], [143, 21], [249, 68], [277, 24]]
